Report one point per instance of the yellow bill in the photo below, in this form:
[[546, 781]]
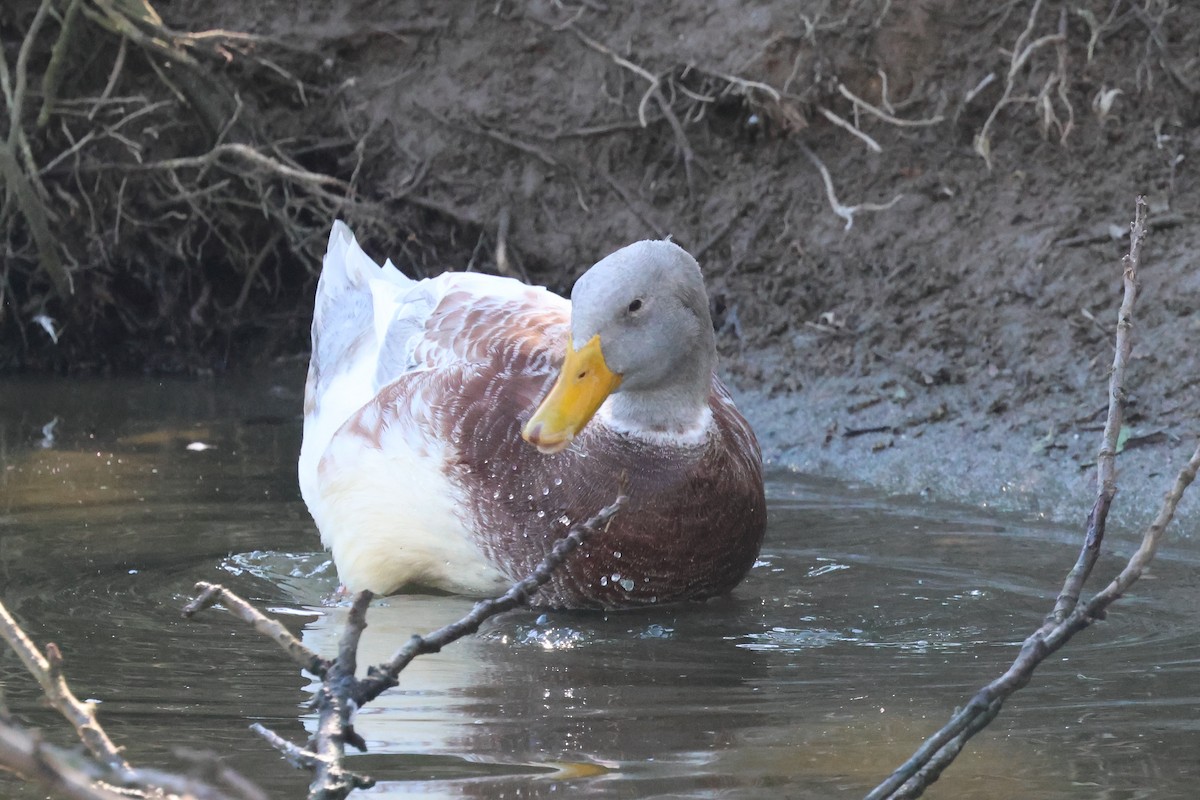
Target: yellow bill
[[582, 385]]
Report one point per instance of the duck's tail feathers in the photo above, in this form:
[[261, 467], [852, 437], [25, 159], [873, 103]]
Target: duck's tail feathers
[[347, 267], [356, 302]]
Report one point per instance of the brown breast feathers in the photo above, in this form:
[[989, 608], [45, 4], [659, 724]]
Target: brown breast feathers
[[695, 518]]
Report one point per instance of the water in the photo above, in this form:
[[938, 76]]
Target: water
[[865, 623]]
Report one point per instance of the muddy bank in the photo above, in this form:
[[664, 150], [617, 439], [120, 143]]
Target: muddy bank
[[910, 215]]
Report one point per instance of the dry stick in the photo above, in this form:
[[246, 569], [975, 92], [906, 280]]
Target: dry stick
[[111, 766], [25, 191], [48, 672], [118, 64], [16, 96], [1106, 459], [212, 593], [335, 724], [341, 693], [52, 78], [27, 186], [386, 675], [109, 130], [249, 154], [746, 85], [33, 760], [1068, 616], [314, 182]]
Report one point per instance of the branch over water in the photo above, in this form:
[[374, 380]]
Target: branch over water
[[1069, 616], [342, 693]]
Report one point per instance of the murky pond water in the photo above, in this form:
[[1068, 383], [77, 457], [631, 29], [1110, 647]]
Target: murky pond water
[[865, 623]]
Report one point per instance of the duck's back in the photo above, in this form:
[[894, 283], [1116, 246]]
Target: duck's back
[[390, 357]]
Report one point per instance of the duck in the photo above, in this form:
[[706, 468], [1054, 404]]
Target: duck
[[456, 427]]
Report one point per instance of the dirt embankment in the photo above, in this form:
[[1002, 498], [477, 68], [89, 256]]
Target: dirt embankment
[[953, 339]]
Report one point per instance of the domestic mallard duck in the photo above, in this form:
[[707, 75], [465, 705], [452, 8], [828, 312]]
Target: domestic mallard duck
[[456, 427]]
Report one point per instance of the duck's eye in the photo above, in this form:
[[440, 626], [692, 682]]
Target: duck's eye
[[635, 306]]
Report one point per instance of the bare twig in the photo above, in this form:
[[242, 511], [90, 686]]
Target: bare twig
[[385, 676], [746, 86], [17, 164], [52, 768], [211, 594], [1069, 616], [53, 75], [1106, 469], [298, 757], [34, 760], [118, 64], [247, 154], [16, 94], [47, 669], [342, 694], [336, 707]]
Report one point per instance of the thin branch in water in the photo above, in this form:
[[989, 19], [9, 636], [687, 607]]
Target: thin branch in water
[[33, 760], [342, 694], [273, 629], [51, 767], [298, 757], [385, 676], [1106, 459], [47, 669], [1069, 616]]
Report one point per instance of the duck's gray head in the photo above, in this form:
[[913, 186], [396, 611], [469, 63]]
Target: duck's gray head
[[640, 328]]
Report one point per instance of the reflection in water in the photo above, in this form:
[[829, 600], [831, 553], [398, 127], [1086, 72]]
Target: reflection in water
[[863, 625]]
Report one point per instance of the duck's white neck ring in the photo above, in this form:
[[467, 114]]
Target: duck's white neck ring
[[644, 417]]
